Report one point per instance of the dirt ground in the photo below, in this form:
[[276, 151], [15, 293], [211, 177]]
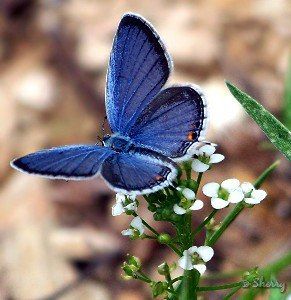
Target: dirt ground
[[58, 239]]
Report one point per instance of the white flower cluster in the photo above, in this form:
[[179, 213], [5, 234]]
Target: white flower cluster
[[124, 204], [195, 258], [189, 202], [206, 157], [232, 191]]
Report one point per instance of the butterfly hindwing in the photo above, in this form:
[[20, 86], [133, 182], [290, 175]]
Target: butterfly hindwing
[[138, 68], [67, 162], [138, 172], [172, 122]]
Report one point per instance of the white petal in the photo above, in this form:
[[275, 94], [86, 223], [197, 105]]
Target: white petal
[[185, 261], [258, 194], [132, 197], [199, 166], [216, 158], [117, 209], [192, 249], [179, 188], [246, 187], [218, 203], [252, 201], [207, 150], [127, 232], [188, 194], [236, 196], [179, 210], [198, 204], [210, 189], [120, 198], [137, 224], [205, 252], [130, 206], [230, 184], [201, 268], [213, 144]]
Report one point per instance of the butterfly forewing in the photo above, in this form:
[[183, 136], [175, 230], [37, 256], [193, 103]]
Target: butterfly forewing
[[67, 162], [138, 68]]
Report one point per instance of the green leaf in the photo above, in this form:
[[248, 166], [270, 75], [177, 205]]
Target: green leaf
[[278, 134], [286, 112], [276, 293]]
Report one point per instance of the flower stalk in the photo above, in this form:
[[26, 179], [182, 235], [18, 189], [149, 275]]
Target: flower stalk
[[177, 204]]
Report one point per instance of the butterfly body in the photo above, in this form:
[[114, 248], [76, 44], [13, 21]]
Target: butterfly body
[[152, 126], [118, 143]]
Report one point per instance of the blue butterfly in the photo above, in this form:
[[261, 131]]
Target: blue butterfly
[[152, 128]]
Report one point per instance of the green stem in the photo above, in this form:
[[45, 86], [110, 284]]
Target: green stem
[[141, 276], [219, 287], [198, 180], [170, 281], [174, 248], [156, 235], [215, 276], [205, 222], [189, 284], [265, 174], [177, 279], [188, 169], [225, 223], [231, 293], [191, 278]]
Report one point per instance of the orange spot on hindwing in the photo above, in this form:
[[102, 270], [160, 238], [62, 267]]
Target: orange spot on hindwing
[[191, 136]]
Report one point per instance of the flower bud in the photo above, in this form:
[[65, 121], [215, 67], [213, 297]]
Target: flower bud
[[127, 270], [164, 238], [134, 263], [163, 269], [158, 288]]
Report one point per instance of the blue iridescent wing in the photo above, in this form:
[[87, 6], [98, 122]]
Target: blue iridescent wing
[[138, 172], [138, 68], [173, 122], [68, 162]]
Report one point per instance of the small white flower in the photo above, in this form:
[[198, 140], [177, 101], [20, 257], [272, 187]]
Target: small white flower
[[199, 166], [187, 204], [247, 187], [179, 210], [123, 204], [195, 258], [256, 197], [197, 205], [137, 227], [230, 184], [229, 191], [211, 189], [206, 157], [188, 194]]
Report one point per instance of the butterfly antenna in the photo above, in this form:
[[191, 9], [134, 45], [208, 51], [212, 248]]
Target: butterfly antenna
[[103, 125], [100, 140]]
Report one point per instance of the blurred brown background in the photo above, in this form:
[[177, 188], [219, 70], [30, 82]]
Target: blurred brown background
[[58, 239]]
